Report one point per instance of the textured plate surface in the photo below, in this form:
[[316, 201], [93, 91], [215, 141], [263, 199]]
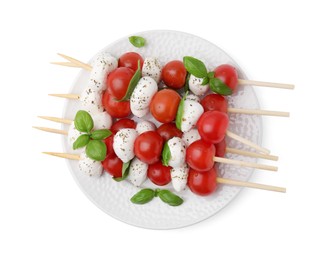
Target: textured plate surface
[[113, 197]]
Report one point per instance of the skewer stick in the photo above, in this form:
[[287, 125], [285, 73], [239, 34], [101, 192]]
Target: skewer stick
[[265, 84], [64, 155], [51, 130], [250, 185], [258, 112], [57, 119], [66, 64], [247, 142], [252, 154], [245, 164], [68, 96], [76, 62]]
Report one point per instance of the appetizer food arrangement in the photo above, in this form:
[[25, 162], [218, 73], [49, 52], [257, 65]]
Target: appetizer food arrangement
[[160, 126]]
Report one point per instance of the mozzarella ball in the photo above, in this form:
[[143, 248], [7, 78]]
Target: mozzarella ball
[[191, 136], [102, 121], [178, 152], [191, 114], [145, 126], [123, 144], [179, 177], [195, 85], [89, 166], [139, 113], [72, 134], [152, 68], [193, 97], [137, 172], [91, 101]]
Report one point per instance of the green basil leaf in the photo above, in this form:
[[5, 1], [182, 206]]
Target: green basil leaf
[[166, 155], [180, 112], [205, 81], [137, 41], [96, 150], [195, 67], [170, 198], [100, 134], [143, 196], [81, 141], [83, 121], [210, 75], [132, 84], [187, 85], [125, 172], [217, 86]]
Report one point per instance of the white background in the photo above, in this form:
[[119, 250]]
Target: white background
[[44, 215]]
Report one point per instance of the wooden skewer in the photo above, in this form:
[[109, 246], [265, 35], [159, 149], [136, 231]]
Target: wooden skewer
[[245, 164], [66, 64], [258, 112], [64, 155], [252, 154], [247, 142], [76, 62], [68, 96], [265, 84], [51, 130], [57, 119], [250, 185]]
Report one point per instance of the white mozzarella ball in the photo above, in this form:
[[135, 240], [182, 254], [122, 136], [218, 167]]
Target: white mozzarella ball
[[72, 134], [137, 172], [145, 126], [152, 68], [191, 114], [178, 152], [89, 166], [191, 136], [91, 101], [193, 97], [195, 85], [179, 177], [139, 113], [123, 144], [102, 121]]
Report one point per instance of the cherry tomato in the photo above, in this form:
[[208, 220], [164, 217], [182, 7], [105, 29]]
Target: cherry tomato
[[216, 102], [118, 82], [220, 148], [202, 183], [109, 144], [168, 131], [113, 165], [228, 75], [148, 147], [159, 174], [212, 126], [123, 123], [164, 105], [199, 155], [174, 74], [115, 108], [130, 60]]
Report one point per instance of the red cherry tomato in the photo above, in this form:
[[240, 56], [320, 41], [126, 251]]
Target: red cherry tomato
[[164, 105], [168, 131], [202, 183], [220, 148], [123, 123], [148, 147], [113, 165], [199, 155], [228, 75], [159, 174], [212, 126], [118, 82], [216, 102], [115, 108], [109, 144], [130, 60], [174, 74]]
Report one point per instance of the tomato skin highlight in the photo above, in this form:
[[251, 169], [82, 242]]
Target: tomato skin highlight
[[215, 102], [148, 147], [174, 74], [115, 108], [168, 131], [228, 75], [118, 82], [113, 165], [130, 60], [164, 105], [123, 123], [212, 126], [159, 174], [199, 155], [202, 183]]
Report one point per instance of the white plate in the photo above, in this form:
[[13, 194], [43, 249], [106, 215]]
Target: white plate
[[113, 197]]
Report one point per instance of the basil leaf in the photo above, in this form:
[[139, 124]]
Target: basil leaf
[[83, 121], [137, 41], [96, 150], [100, 134], [81, 141], [143, 196], [125, 172], [210, 75], [205, 81], [180, 112], [170, 198], [218, 86], [187, 85], [132, 84], [195, 67], [166, 155]]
